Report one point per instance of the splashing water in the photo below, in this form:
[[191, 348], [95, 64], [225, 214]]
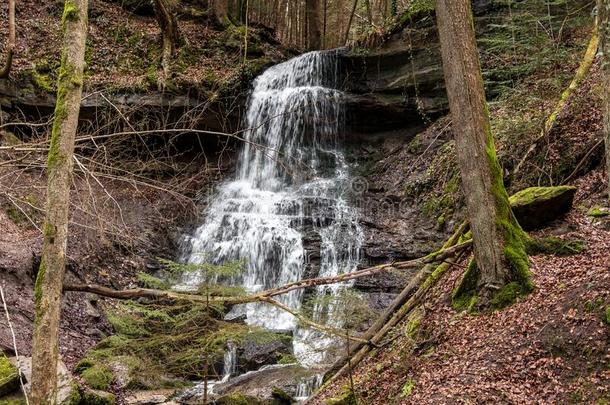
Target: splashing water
[[287, 210]]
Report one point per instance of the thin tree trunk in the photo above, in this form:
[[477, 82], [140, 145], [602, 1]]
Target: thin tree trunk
[[10, 48], [313, 24], [603, 21], [499, 241], [48, 289], [349, 22], [166, 18]]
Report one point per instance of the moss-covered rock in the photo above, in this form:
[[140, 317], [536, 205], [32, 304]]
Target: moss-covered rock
[[9, 376], [555, 246], [97, 376], [237, 399], [535, 207], [347, 397], [95, 397]]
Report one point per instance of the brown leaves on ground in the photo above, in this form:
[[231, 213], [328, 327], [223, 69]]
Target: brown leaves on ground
[[552, 346]]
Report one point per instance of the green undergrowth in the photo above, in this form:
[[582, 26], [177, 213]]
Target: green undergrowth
[[555, 246], [164, 345], [346, 397]]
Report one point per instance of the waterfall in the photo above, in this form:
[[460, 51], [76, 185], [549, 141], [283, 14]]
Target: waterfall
[[230, 362], [286, 211]]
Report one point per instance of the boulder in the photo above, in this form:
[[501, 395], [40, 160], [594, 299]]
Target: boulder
[[256, 351], [535, 207], [9, 376], [65, 386]]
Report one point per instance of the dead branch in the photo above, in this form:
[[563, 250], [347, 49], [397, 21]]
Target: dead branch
[[264, 296]]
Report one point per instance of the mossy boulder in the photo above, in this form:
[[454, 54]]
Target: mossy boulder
[[9, 376], [535, 207], [97, 376], [95, 397], [237, 399], [346, 397]]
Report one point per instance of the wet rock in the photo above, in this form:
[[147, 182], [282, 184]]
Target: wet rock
[[535, 207], [264, 384], [149, 397], [257, 351]]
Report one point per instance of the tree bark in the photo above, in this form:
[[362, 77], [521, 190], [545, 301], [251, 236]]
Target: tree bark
[[314, 39], [603, 21], [221, 13], [166, 17], [50, 276], [10, 48], [499, 241]]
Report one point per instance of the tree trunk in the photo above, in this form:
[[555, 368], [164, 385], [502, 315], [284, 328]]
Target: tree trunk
[[166, 17], [221, 13], [349, 22], [501, 265], [603, 21], [47, 292], [10, 48], [313, 24]]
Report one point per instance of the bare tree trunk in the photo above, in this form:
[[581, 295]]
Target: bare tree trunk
[[603, 21], [166, 17], [10, 48], [313, 24], [499, 241], [349, 22], [221, 13], [47, 292]]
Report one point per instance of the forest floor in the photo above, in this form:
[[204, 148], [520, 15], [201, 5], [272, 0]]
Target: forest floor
[[552, 346]]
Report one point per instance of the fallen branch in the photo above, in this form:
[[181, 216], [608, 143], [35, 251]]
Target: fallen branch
[[427, 278], [581, 73], [306, 321], [399, 301], [438, 256]]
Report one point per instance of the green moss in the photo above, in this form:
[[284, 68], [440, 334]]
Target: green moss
[[507, 295], [347, 397], [71, 12], [94, 397], [407, 389], [97, 377], [42, 81], [287, 359], [148, 281], [529, 195], [237, 399], [597, 212], [555, 246], [607, 315], [281, 397], [9, 376]]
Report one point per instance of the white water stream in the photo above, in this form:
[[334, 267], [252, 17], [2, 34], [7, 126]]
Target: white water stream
[[288, 203]]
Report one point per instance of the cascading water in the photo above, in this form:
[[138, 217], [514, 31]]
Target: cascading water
[[288, 203]]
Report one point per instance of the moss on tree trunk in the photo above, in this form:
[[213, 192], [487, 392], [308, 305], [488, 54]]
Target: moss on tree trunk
[[499, 242], [50, 276]]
